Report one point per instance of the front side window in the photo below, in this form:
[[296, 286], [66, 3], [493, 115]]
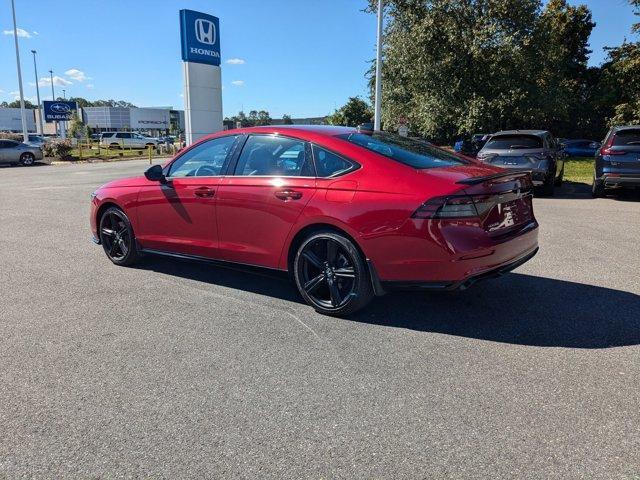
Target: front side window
[[414, 153], [123, 135], [271, 155], [329, 164], [204, 160]]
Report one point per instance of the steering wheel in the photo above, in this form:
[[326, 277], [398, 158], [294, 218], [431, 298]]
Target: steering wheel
[[206, 171]]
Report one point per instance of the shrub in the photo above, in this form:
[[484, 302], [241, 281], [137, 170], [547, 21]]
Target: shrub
[[57, 148]]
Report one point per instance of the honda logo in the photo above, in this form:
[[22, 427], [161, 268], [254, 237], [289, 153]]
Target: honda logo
[[205, 31]]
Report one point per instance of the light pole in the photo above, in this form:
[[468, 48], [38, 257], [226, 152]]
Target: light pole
[[376, 114], [23, 113], [53, 97], [53, 93], [64, 94], [35, 69]]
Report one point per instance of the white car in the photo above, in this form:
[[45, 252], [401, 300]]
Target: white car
[[126, 140]]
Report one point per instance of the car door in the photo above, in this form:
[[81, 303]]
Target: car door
[[273, 179], [4, 147], [179, 216]]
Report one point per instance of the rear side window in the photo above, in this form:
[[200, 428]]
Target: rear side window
[[107, 135], [627, 137], [328, 164], [270, 155], [414, 153], [514, 142]]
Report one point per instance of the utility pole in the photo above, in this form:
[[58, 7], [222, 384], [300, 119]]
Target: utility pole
[[376, 115], [23, 113], [35, 69]]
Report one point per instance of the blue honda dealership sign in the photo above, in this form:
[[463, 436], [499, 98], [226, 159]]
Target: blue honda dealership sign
[[200, 35], [58, 111]]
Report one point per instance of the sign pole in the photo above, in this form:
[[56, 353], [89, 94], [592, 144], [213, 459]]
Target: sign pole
[[200, 37], [23, 113], [376, 116]]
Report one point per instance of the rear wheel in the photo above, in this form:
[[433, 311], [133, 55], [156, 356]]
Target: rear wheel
[[331, 274], [27, 159], [597, 188], [548, 187], [117, 237]]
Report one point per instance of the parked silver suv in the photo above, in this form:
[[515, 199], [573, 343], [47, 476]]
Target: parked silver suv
[[126, 140], [533, 150]]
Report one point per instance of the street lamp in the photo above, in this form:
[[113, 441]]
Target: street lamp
[[64, 94], [376, 114], [23, 113], [35, 69], [53, 93]]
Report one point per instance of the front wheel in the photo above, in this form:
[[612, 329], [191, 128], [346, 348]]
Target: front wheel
[[117, 237], [331, 274], [27, 159]]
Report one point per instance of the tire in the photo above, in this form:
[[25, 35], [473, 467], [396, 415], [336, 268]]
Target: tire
[[117, 237], [27, 159], [597, 188], [547, 189], [560, 179], [331, 274]]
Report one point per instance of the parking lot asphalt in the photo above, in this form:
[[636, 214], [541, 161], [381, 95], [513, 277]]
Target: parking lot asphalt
[[174, 369]]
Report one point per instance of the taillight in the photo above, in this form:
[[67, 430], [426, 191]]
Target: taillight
[[610, 151], [459, 206]]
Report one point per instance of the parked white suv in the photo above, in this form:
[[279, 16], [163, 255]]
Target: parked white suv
[[127, 140]]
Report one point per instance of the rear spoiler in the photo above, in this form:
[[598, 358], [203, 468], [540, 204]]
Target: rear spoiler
[[476, 180]]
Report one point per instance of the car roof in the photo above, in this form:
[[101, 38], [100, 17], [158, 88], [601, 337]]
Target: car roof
[[523, 132], [626, 127], [325, 130]]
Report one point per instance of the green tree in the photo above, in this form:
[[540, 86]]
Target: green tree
[[263, 118], [622, 77], [286, 119], [77, 127], [16, 104], [455, 67], [352, 113]]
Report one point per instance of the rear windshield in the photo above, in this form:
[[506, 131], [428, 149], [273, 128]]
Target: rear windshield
[[627, 137], [514, 142], [414, 153]]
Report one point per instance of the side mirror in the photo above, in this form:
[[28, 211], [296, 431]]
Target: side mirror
[[155, 174]]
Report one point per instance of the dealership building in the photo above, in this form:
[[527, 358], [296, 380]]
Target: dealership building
[[156, 121], [11, 120]]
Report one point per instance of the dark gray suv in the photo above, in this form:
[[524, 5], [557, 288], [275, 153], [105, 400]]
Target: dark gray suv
[[533, 150], [618, 160]]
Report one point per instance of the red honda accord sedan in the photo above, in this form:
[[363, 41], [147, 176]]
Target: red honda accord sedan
[[349, 213]]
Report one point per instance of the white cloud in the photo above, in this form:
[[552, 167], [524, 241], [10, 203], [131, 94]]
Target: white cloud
[[57, 81], [238, 83], [77, 75], [15, 92], [21, 33], [26, 99], [90, 86], [235, 61], [35, 33], [1, 91]]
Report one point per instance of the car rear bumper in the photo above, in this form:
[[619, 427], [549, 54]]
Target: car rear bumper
[[621, 180], [465, 283]]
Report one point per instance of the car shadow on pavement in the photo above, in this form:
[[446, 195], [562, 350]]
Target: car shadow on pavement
[[517, 308], [576, 190]]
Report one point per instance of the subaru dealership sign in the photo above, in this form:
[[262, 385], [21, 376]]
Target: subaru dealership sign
[[58, 111], [200, 35]]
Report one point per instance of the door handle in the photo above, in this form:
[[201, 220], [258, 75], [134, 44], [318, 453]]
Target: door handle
[[204, 192], [288, 195]]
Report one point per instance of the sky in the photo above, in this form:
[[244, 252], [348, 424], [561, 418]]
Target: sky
[[298, 57]]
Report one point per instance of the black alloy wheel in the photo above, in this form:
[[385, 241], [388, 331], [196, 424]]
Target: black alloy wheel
[[117, 238], [27, 159], [331, 274]]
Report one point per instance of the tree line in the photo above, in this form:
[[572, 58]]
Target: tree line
[[458, 67], [82, 102]]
